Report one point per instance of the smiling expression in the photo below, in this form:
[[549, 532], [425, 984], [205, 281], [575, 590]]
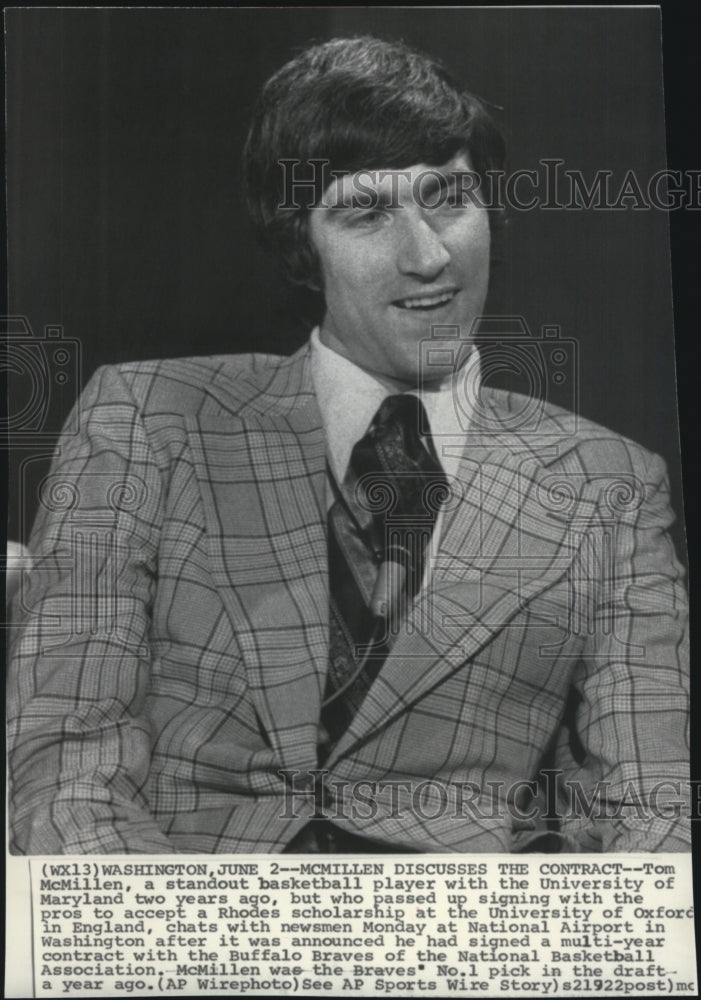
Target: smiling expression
[[398, 255]]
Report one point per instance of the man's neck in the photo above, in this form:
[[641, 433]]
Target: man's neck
[[349, 396]]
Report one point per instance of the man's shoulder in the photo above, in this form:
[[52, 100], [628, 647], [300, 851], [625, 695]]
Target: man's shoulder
[[566, 437], [211, 385]]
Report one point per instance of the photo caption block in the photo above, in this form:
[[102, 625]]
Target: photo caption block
[[612, 925]]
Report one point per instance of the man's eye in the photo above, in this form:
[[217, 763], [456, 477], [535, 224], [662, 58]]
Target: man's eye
[[450, 199], [444, 196], [370, 217]]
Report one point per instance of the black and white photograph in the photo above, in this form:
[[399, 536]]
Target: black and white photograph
[[345, 502]]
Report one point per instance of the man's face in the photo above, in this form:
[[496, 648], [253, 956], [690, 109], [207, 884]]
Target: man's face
[[393, 267]]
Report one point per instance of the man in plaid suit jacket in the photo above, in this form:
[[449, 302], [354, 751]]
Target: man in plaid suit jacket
[[167, 684]]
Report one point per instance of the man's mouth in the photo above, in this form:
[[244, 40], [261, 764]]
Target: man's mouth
[[434, 301]]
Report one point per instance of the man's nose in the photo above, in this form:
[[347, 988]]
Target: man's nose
[[421, 251]]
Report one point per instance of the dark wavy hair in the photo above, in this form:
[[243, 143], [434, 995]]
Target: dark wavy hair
[[351, 104]]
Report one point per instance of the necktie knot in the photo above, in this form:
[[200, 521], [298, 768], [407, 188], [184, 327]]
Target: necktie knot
[[395, 409], [397, 430], [396, 460]]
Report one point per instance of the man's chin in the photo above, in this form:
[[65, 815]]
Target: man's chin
[[442, 359]]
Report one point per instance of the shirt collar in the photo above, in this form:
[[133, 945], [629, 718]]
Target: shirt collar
[[349, 397]]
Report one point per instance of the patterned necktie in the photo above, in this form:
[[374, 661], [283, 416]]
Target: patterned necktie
[[379, 526]]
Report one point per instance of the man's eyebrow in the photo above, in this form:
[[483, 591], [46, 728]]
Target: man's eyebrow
[[432, 183], [428, 185], [364, 199]]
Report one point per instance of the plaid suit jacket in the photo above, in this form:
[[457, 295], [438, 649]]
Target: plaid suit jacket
[[167, 678]]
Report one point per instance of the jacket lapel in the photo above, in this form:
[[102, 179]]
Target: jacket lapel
[[511, 531], [262, 472], [262, 480]]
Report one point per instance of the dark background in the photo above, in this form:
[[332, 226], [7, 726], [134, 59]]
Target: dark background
[[126, 227]]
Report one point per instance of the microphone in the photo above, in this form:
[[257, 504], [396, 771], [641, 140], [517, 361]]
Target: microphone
[[391, 583]]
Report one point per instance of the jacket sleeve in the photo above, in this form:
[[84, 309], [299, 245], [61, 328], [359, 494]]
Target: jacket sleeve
[[79, 741], [627, 787]]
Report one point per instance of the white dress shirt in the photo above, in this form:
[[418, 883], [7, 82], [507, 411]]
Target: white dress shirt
[[349, 398]]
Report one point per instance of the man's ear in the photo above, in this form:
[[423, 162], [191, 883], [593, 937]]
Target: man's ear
[[306, 277], [302, 260], [313, 286]]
